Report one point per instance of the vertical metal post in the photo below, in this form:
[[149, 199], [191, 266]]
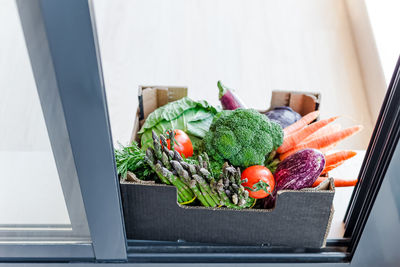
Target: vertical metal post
[[69, 58], [50, 102]]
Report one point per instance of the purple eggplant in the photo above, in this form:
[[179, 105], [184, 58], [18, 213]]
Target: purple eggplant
[[299, 170], [229, 100], [296, 172]]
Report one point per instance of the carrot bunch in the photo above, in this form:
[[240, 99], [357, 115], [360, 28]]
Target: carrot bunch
[[321, 135]]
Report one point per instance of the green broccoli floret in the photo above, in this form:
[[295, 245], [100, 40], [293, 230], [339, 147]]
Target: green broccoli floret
[[243, 137]]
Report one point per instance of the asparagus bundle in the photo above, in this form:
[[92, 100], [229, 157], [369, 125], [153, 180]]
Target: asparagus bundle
[[195, 178], [189, 179], [230, 188]]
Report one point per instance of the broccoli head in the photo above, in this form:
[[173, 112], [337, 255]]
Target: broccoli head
[[243, 137]]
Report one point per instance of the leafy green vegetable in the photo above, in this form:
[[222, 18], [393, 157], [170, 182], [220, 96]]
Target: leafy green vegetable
[[243, 137], [192, 117], [131, 158]]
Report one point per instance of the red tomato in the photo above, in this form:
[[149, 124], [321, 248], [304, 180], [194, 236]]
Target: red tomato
[[184, 146], [258, 177]]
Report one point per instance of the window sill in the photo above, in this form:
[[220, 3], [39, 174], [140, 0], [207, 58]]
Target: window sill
[[185, 252]]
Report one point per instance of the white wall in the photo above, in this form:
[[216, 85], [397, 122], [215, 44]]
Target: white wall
[[253, 46], [21, 119], [30, 190], [385, 22]]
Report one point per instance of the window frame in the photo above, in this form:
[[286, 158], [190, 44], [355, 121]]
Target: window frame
[[377, 159], [69, 36], [64, 58]]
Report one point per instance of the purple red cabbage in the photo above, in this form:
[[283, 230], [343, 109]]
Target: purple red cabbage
[[285, 116]]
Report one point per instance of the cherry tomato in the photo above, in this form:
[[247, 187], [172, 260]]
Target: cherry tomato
[[258, 177], [184, 145]]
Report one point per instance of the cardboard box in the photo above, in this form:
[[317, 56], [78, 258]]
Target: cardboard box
[[152, 97], [152, 212]]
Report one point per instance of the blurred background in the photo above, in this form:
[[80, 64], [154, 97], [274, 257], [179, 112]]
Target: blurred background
[[346, 50], [342, 49]]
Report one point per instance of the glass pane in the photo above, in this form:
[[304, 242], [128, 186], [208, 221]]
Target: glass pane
[[39, 200]]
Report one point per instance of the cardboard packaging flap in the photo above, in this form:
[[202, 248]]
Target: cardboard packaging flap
[[301, 102]]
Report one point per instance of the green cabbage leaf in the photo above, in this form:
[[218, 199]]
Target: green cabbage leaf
[[192, 117]]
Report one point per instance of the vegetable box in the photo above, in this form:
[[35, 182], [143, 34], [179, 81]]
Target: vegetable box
[[300, 218]]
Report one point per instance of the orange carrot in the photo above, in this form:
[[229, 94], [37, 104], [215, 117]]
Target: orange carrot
[[331, 128], [329, 148], [334, 160], [324, 141], [339, 157], [294, 139], [328, 168], [337, 181], [304, 121]]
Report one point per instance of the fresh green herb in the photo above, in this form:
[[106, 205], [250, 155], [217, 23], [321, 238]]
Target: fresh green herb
[[131, 158], [261, 185], [216, 167], [191, 160]]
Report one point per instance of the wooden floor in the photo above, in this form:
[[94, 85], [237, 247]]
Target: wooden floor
[[254, 46]]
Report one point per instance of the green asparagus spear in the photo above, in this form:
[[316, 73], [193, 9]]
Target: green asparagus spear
[[165, 160], [177, 181], [235, 199], [177, 156], [183, 174], [179, 199], [151, 164], [200, 197], [207, 188], [203, 188], [185, 192], [206, 162], [225, 200], [200, 160], [205, 173], [172, 139], [163, 141]]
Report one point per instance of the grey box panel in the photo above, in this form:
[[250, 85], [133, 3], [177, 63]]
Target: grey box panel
[[300, 219]]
